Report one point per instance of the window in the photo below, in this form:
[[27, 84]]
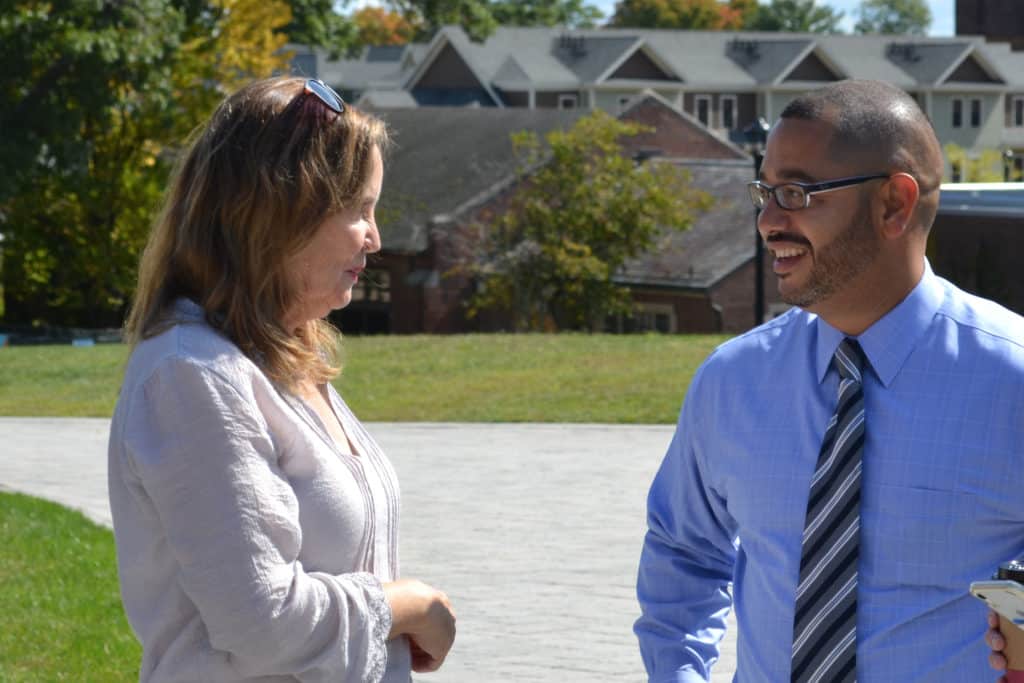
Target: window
[[1017, 112], [645, 317], [975, 113], [728, 112], [654, 318], [703, 109], [374, 286], [304, 65], [958, 113], [567, 101]]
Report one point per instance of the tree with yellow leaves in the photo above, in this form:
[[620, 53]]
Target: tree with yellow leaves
[[714, 15], [378, 26]]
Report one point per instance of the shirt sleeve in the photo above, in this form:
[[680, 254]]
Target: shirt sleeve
[[204, 456], [686, 564]]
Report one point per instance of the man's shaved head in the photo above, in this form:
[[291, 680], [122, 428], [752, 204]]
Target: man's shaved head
[[881, 127]]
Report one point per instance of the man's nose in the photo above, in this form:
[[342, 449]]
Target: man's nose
[[771, 218]]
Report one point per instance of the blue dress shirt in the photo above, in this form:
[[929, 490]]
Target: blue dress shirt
[[942, 500]]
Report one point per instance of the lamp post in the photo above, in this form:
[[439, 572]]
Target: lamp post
[[1007, 164], [756, 135]]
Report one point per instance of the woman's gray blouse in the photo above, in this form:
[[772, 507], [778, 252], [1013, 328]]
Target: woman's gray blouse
[[250, 547]]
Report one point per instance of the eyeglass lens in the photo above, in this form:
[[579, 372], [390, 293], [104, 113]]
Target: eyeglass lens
[[786, 196], [326, 94]]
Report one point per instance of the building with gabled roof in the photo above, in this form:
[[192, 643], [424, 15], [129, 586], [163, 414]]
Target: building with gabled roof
[[451, 167], [972, 90]]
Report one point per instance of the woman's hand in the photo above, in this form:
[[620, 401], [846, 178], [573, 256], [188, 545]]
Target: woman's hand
[[994, 639], [425, 616]]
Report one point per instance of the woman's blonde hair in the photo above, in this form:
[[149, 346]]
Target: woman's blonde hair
[[269, 167]]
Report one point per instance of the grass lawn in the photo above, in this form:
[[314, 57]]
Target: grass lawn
[[61, 611], [463, 378], [62, 617]]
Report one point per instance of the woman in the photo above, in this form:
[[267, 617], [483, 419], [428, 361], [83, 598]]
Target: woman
[[256, 520]]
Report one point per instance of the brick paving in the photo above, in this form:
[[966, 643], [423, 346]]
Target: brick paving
[[533, 530]]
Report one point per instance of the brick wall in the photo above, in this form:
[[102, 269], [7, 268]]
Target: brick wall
[[1000, 20], [674, 136], [693, 310], [734, 296]]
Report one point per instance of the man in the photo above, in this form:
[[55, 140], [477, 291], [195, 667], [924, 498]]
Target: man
[[841, 474]]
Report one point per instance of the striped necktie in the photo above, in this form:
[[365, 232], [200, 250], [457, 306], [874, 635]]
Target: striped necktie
[[825, 623]]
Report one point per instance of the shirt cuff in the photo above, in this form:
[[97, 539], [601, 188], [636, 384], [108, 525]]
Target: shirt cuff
[[380, 622]]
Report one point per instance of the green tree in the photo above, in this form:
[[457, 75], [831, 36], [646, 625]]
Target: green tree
[[799, 16], [479, 18], [94, 106], [571, 13], [897, 17], [669, 14], [315, 22], [58, 67], [581, 209], [474, 16]]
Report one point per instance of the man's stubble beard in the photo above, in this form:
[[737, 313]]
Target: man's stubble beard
[[838, 262]]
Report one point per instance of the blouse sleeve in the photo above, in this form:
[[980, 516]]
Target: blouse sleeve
[[203, 454]]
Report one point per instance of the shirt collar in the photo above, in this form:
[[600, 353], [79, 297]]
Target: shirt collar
[[890, 340], [186, 310]]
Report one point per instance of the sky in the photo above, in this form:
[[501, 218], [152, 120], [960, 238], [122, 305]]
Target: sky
[[942, 13]]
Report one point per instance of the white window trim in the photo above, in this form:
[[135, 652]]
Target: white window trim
[[1014, 100], [696, 109], [981, 113], [721, 111], [952, 113], [568, 101]]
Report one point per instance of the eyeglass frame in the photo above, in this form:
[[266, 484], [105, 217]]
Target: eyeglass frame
[[760, 192], [325, 93]]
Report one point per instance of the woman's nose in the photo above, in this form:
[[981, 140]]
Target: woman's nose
[[373, 239]]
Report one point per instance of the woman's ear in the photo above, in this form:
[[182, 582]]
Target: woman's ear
[[899, 200]]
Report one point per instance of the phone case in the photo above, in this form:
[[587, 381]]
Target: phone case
[[1004, 597]]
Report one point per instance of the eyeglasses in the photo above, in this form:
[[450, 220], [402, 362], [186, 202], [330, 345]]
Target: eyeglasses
[[326, 94], [795, 196]]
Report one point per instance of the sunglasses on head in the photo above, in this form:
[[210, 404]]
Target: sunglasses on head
[[326, 94]]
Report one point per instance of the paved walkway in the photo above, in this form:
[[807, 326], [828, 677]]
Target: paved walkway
[[533, 530]]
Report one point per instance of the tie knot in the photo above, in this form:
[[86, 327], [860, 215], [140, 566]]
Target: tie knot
[[849, 359]]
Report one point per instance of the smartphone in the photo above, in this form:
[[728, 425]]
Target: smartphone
[[1003, 596]]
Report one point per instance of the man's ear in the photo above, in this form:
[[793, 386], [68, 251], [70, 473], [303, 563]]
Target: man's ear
[[899, 197]]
